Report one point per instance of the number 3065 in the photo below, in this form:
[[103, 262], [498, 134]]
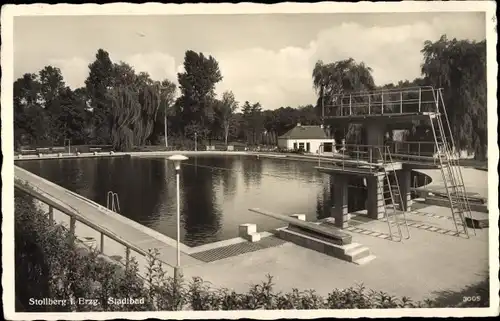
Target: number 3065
[[472, 298]]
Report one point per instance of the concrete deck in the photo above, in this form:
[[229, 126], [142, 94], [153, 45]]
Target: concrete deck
[[121, 154], [296, 157], [475, 180], [429, 264]]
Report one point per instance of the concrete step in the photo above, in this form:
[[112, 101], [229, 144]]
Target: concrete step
[[445, 202], [477, 222], [349, 252], [358, 253], [351, 247], [253, 237], [365, 260]]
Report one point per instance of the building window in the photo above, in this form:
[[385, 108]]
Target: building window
[[327, 147], [301, 146], [308, 147], [294, 146]]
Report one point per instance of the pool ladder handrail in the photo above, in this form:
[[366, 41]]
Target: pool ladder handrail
[[113, 202]]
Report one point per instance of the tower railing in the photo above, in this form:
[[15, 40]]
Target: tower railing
[[416, 151], [372, 157], [368, 157], [381, 102]]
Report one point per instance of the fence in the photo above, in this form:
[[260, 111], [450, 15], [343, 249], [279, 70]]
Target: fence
[[75, 217]]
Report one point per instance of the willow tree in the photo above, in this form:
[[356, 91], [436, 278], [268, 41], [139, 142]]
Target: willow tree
[[334, 79], [125, 110], [459, 67], [133, 113], [149, 100]]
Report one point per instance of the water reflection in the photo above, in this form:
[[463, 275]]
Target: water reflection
[[201, 213], [216, 191], [229, 179], [252, 171]]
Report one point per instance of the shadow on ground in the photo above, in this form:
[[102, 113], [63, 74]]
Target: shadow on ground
[[473, 296]]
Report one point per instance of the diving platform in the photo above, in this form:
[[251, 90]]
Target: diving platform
[[387, 166], [323, 238], [359, 158], [361, 170], [382, 106], [392, 118]]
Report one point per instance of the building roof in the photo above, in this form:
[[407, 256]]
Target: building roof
[[305, 132]]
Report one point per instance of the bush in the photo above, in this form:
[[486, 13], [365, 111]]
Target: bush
[[50, 265]]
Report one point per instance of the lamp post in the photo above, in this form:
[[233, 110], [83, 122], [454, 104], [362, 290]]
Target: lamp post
[[177, 159], [69, 144], [166, 138]]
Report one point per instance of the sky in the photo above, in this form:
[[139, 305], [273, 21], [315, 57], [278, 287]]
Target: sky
[[266, 58]]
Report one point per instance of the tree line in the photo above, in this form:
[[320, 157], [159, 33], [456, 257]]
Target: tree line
[[124, 108]]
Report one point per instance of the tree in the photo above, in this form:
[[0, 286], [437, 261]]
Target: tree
[[26, 98], [459, 67], [197, 87], [150, 100], [334, 79], [125, 110], [418, 130], [124, 75], [308, 116], [253, 122], [224, 112], [46, 111], [38, 126], [100, 79], [270, 125], [133, 112], [27, 90], [71, 121], [51, 85], [167, 99], [286, 119]]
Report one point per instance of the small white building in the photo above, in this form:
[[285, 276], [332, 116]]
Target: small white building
[[311, 139]]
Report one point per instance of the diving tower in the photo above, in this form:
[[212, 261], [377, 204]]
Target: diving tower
[[386, 167]]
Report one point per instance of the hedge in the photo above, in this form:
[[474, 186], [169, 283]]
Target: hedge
[[50, 265]]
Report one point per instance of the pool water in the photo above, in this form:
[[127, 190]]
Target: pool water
[[216, 191]]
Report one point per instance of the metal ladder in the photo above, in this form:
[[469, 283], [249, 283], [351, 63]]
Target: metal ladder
[[112, 202], [395, 197], [450, 170]]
